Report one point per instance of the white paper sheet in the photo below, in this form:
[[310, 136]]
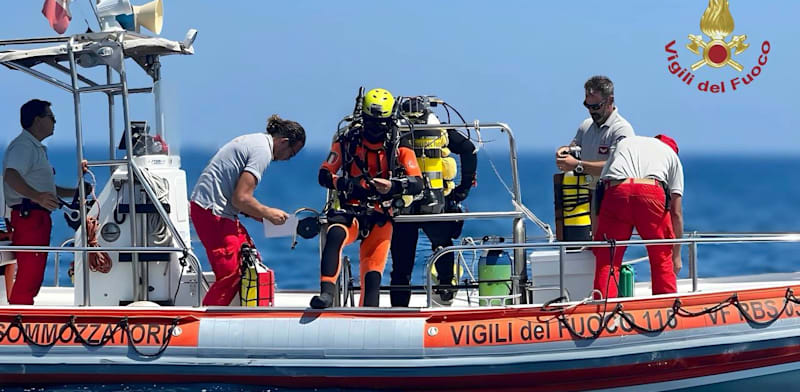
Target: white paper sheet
[[284, 230]]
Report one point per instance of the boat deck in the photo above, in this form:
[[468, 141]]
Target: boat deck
[[63, 296]]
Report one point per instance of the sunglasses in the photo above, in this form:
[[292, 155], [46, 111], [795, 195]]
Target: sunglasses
[[594, 106]]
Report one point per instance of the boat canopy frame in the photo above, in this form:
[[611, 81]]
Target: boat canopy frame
[[108, 49]]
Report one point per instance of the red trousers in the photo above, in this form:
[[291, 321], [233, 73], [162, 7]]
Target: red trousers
[[624, 207], [222, 238], [32, 230]]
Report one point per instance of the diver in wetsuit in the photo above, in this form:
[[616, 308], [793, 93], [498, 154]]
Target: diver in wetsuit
[[368, 170], [432, 148]]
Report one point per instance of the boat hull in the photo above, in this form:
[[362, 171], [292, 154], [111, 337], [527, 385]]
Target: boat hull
[[711, 339]]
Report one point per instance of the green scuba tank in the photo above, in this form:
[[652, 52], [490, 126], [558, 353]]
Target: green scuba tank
[[494, 265]]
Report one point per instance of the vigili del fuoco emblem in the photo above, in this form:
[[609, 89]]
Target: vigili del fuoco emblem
[[717, 23], [718, 52]]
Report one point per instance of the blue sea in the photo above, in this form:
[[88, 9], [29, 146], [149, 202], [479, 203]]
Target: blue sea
[[723, 193]]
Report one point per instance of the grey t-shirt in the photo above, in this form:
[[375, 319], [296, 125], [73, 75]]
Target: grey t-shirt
[[645, 157], [596, 140], [28, 156], [214, 189]]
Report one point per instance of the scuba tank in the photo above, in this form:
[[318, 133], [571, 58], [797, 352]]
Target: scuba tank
[[449, 171], [258, 281], [572, 204], [494, 265], [430, 147]]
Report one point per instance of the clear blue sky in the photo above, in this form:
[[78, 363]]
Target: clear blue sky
[[519, 62]]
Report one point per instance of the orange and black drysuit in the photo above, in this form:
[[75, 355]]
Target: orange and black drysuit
[[363, 213]]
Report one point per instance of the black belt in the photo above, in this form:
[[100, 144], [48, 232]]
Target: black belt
[[26, 206]]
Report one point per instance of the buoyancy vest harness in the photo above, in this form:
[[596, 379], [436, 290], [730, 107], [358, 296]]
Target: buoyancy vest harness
[[363, 161], [438, 169]]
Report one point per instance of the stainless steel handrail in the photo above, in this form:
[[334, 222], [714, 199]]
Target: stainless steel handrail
[[89, 249], [519, 276], [170, 226], [562, 246], [76, 97], [447, 217], [56, 256], [634, 261], [40, 40], [102, 88], [39, 75], [63, 248]]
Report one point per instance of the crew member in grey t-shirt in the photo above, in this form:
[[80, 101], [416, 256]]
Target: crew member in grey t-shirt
[[225, 189], [597, 134], [215, 188], [31, 193]]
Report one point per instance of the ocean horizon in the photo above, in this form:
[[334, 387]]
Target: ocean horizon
[[723, 193]]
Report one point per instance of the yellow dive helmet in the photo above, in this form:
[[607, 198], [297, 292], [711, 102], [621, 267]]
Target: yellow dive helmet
[[378, 103]]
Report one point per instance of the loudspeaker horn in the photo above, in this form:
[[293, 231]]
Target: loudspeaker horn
[[150, 15]]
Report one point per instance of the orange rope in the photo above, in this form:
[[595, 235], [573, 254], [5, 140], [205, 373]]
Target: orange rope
[[98, 261]]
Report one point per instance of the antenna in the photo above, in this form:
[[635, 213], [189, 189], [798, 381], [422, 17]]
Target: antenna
[[94, 9]]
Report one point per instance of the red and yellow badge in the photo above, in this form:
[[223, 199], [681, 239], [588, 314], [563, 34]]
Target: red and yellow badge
[[716, 24]]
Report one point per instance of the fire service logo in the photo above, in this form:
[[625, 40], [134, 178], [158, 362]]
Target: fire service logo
[[717, 24]]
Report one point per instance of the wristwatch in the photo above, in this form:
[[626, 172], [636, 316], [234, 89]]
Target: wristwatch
[[579, 168]]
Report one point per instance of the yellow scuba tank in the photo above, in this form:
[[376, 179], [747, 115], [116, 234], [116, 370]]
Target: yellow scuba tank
[[449, 171], [572, 206], [428, 146], [258, 281]]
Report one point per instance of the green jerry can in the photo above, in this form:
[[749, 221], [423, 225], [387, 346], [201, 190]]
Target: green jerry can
[[626, 281]]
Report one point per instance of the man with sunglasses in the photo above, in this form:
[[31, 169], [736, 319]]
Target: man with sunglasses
[[596, 135], [31, 193], [225, 189]]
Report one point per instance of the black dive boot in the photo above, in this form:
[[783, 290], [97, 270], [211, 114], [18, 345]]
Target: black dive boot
[[325, 298]]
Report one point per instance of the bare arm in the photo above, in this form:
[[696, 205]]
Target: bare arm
[[567, 162], [594, 168], [676, 214], [16, 182], [65, 192], [245, 202]]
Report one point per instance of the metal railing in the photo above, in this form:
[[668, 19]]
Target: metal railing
[[518, 215], [111, 249], [693, 240], [56, 260]]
